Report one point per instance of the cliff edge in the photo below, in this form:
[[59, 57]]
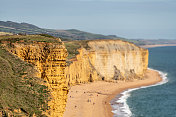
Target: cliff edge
[[107, 60], [88, 61], [48, 56]]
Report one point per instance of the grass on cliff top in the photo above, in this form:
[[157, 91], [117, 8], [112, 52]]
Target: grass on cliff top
[[30, 38], [19, 89], [5, 33], [73, 46]]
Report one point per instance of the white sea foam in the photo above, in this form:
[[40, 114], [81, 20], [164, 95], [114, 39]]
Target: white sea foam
[[121, 109]]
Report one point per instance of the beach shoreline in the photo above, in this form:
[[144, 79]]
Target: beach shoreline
[[93, 99], [157, 45], [108, 108]]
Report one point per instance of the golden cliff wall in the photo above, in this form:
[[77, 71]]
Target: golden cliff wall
[[107, 60], [81, 70], [50, 60]]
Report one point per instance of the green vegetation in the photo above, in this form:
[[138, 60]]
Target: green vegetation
[[72, 34], [46, 35], [30, 38], [72, 49], [81, 35], [73, 46], [19, 89]]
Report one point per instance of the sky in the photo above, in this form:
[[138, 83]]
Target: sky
[[133, 19]]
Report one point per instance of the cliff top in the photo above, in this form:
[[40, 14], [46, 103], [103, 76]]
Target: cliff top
[[100, 45], [73, 46], [30, 38], [112, 45]]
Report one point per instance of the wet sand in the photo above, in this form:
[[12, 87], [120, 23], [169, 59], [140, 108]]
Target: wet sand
[[93, 99]]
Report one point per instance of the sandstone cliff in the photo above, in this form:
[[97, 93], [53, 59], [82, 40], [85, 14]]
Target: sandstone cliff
[[107, 60], [49, 59]]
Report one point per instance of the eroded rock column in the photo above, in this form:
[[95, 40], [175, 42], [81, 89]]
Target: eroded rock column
[[50, 60]]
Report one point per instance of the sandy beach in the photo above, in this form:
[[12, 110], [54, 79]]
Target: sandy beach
[[157, 45], [93, 99]]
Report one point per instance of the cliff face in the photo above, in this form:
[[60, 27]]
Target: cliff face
[[49, 59], [81, 69], [107, 60]]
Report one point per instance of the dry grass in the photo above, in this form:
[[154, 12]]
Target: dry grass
[[5, 33]]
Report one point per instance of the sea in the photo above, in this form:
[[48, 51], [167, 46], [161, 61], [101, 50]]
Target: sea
[[157, 100]]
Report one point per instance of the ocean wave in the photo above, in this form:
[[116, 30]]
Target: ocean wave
[[121, 108]]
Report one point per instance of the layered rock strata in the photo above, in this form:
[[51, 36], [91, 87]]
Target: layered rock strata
[[50, 60], [107, 60]]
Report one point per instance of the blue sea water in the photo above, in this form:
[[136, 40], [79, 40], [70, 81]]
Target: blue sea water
[[155, 101]]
